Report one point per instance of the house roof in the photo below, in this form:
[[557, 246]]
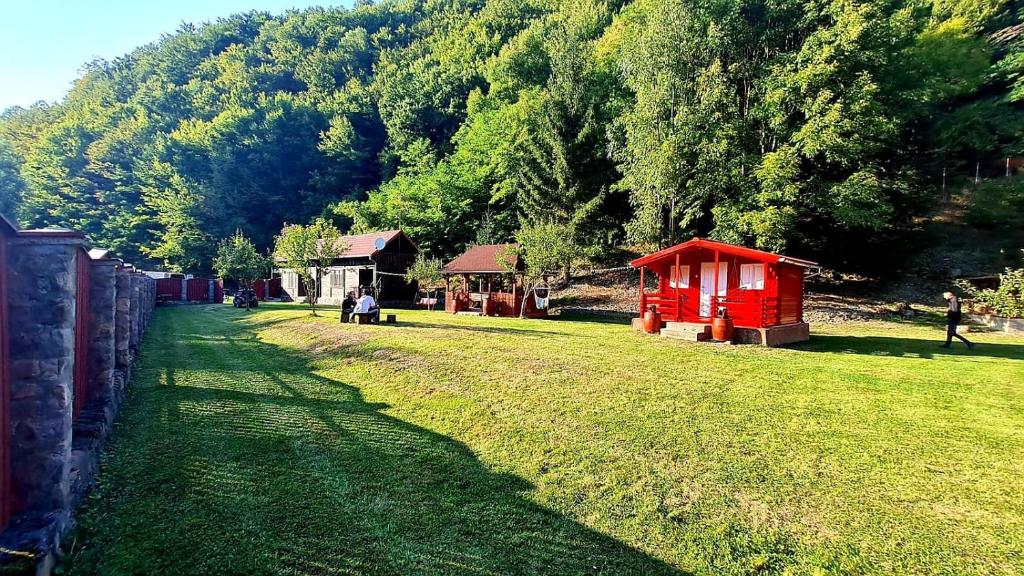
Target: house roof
[[481, 259], [364, 245], [699, 243]]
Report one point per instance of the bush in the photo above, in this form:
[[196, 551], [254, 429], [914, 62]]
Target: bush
[[1006, 300]]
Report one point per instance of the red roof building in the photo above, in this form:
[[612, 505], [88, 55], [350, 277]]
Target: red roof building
[[485, 259], [491, 284], [376, 260], [762, 292]]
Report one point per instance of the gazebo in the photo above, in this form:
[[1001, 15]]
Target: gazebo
[[762, 292], [492, 283]]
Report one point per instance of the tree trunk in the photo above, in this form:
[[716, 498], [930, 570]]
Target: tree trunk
[[527, 289]]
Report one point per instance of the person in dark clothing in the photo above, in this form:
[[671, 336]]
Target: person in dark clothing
[[953, 320], [347, 306]]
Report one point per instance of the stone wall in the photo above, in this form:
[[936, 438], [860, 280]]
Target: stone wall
[[41, 319], [53, 453], [999, 323]]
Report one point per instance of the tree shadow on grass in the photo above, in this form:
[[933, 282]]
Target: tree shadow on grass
[[240, 459], [472, 328], [906, 347], [592, 318]]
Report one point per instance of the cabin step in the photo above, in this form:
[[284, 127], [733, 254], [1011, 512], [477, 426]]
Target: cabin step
[[469, 313], [691, 331]]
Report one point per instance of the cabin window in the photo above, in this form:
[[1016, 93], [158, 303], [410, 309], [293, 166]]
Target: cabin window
[[752, 276], [337, 277], [681, 279]]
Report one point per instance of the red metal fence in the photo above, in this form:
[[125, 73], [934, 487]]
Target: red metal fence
[[196, 290], [267, 288], [168, 289]]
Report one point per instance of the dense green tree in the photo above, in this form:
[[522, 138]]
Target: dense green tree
[[12, 187], [820, 126]]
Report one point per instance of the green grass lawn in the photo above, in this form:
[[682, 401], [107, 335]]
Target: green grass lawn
[[272, 442]]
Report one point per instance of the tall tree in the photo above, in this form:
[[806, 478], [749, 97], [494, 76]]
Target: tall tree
[[309, 251]]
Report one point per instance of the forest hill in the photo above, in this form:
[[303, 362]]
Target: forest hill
[[808, 126]]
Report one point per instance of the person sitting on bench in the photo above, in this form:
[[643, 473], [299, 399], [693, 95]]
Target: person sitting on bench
[[348, 305], [368, 306]]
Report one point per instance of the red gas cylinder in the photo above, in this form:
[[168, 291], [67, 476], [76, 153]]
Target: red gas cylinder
[[652, 321], [721, 326]]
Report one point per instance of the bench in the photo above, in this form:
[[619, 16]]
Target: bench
[[362, 318], [428, 302]]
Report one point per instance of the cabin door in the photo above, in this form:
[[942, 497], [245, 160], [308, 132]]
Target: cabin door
[[707, 284]]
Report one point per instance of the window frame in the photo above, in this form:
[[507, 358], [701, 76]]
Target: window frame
[[755, 280], [674, 281]]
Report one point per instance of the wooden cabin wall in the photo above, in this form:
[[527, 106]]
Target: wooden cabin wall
[[744, 305], [791, 294]]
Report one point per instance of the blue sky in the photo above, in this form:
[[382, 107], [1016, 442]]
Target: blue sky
[[44, 43]]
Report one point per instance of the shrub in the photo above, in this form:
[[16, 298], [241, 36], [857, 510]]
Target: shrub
[[1006, 300]]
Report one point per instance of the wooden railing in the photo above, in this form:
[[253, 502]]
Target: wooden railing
[[746, 307]]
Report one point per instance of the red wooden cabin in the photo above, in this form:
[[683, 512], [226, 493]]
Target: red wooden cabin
[[490, 286], [762, 292]]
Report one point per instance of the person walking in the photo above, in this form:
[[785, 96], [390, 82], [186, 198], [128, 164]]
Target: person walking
[[953, 320]]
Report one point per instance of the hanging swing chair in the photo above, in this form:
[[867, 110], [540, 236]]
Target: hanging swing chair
[[541, 295]]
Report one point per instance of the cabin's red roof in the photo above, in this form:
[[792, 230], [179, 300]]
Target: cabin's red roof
[[724, 248], [482, 259]]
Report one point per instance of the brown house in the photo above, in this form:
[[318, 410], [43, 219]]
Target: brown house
[[377, 260]]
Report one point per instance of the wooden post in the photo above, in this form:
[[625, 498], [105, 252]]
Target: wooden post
[[643, 292], [679, 297], [714, 290]]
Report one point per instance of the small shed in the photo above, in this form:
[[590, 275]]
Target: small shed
[[491, 283], [762, 292], [377, 259]]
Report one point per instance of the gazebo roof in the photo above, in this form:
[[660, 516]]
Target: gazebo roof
[[723, 247], [483, 259]]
